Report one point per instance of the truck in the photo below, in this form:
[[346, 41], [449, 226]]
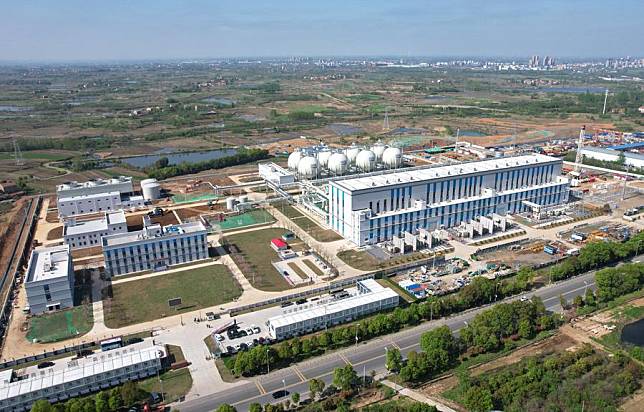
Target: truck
[[549, 249]]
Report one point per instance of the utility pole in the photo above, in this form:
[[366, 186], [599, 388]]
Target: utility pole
[[605, 100], [17, 153], [580, 143]]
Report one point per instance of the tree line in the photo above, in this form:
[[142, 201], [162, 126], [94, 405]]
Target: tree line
[[123, 396], [244, 155]]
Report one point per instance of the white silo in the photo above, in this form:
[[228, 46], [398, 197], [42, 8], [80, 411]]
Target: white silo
[[151, 190], [378, 149], [294, 159], [352, 153], [392, 157], [338, 163], [323, 157], [366, 161], [146, 181], [308, 167]]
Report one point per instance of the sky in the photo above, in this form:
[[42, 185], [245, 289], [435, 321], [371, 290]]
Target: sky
[[89, 30]]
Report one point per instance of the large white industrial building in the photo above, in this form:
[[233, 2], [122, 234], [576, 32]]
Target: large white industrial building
[[154, 247], [83, 234], [371, 297], [72, 378], [122, 184], [96, 203], [374, 208], [50, 280], [635, 160]]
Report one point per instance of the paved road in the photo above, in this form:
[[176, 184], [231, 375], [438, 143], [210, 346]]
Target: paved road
[[366, 357]]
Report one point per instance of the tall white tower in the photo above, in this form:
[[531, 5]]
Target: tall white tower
[[580, 144], [605, 100]]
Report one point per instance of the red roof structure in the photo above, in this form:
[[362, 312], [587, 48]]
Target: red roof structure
[[279, 243]]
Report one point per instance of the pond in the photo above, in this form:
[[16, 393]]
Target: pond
[[633, 333], [219, 100], [14, 109], [470, 133], [176, 158], [576, 90]]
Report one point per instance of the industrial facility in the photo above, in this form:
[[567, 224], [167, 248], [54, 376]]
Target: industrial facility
[[154, 248], [82, 234], [50, 280], [121, 184]]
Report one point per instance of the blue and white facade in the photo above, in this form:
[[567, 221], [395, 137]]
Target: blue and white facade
[[154, 248], [372, 209]]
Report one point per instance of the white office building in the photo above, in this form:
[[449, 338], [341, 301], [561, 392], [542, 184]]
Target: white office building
[[154, 247], [84, 234], [80, 377], [374, 208], [97, 203], [122, 184], [275, 174], [50, 280], [371, 297]]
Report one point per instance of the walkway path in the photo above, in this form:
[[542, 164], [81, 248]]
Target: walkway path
[[418, 396]]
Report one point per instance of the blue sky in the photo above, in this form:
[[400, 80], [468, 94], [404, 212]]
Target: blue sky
[[166, 29]]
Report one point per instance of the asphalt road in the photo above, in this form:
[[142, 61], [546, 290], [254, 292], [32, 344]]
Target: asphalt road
[[364, 357]]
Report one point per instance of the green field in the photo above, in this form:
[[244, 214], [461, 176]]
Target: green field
[[36, 156], [256, 252], [147, 299], [254, 217], [176, 384], [61, 325], [316, 231]]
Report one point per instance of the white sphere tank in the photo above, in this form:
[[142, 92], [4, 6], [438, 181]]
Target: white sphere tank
[[294, 159], [352, 153], [366, 161], [151, 191], [378, 149], [308, 167], [338, 163], [392, 157], [323, 157]]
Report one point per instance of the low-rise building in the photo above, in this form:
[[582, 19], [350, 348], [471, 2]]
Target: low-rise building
[[83, 234], [121, 184], [71, 378], [275, 174], [371, 297], [154, 248], [50, 280], [96, 203]]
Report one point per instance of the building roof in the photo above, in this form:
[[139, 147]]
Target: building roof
[[93, 183], [80, 368], [48, 263], [87, 197], [153, 232], [627, 146], [333, 307], [74, 227], [612, 152], [403, 176], [278, 243]]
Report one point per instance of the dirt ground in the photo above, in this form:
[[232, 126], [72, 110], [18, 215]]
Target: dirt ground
[[55, 233]]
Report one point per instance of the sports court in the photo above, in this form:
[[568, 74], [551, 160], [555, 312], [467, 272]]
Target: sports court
[[181, 198], [253, 217]]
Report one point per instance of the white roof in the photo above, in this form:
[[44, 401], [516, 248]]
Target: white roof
[[92, 196], [612, 152], [48, 263], [437, 172], [331, 308], [167, 231], [81, 368], [93, 183], [74, 227]]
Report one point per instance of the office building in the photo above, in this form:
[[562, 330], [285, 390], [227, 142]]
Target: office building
[[50, 280], [78, 377], [83, 234], [96, 203], [370, 297], [374, 208], [154, 247], [122, 184]]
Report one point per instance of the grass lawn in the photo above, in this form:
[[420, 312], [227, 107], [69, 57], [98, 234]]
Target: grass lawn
[[147, 299], [176, 384], [363, 260], [316, 231], [37, 156], [254, 217], [61, 325], [313, 267], [255, 257], [295, 268]]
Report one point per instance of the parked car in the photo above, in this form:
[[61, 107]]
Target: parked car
[[133, 340], [230, 349], [280, 394], [286, 304], [300, 301], [46, 364], [219, 337]]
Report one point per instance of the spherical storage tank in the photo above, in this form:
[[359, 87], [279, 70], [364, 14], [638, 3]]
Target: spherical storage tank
[[338, 163], [392, 157], [366, 160], [294, 159], [308, 167], [352, 153], [378, 149], [323, 157]]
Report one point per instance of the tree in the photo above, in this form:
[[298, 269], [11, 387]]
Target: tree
[[578, 301], [130, 393], [226, 408], [563, 302], [254, 407], [101, 402], [162, 162], [345, 378], [439, 339], [394, 360], [525, 329], [295, 398], [316, 387], [589, 298], [114, 401], [41, 405], [73, 405], [478, 400]]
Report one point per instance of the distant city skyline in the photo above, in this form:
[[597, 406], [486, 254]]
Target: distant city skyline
[[119, 30]]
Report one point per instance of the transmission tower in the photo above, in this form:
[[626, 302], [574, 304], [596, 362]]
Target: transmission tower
[[17, 153], [580, 144], [458, 132], [605, 100], [385, 123]]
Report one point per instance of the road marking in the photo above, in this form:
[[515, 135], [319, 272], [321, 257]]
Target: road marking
[[260, 387], [299, 373], [344, 358], [394, 344]]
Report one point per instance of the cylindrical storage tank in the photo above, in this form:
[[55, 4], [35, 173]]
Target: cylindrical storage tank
[[230, 203], [378, 149], [243, 199], [151, 191], [323, 158], [392, 157], [352, 153], [147, 181], [366, 161], [294, 159], [308, 167], [338, 163]]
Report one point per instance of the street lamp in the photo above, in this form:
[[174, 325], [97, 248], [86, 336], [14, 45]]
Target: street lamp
[[357, 325], [284, 385], [268, 365]]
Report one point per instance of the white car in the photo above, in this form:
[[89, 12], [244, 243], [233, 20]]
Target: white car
[[219, 337], [524, 299]]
